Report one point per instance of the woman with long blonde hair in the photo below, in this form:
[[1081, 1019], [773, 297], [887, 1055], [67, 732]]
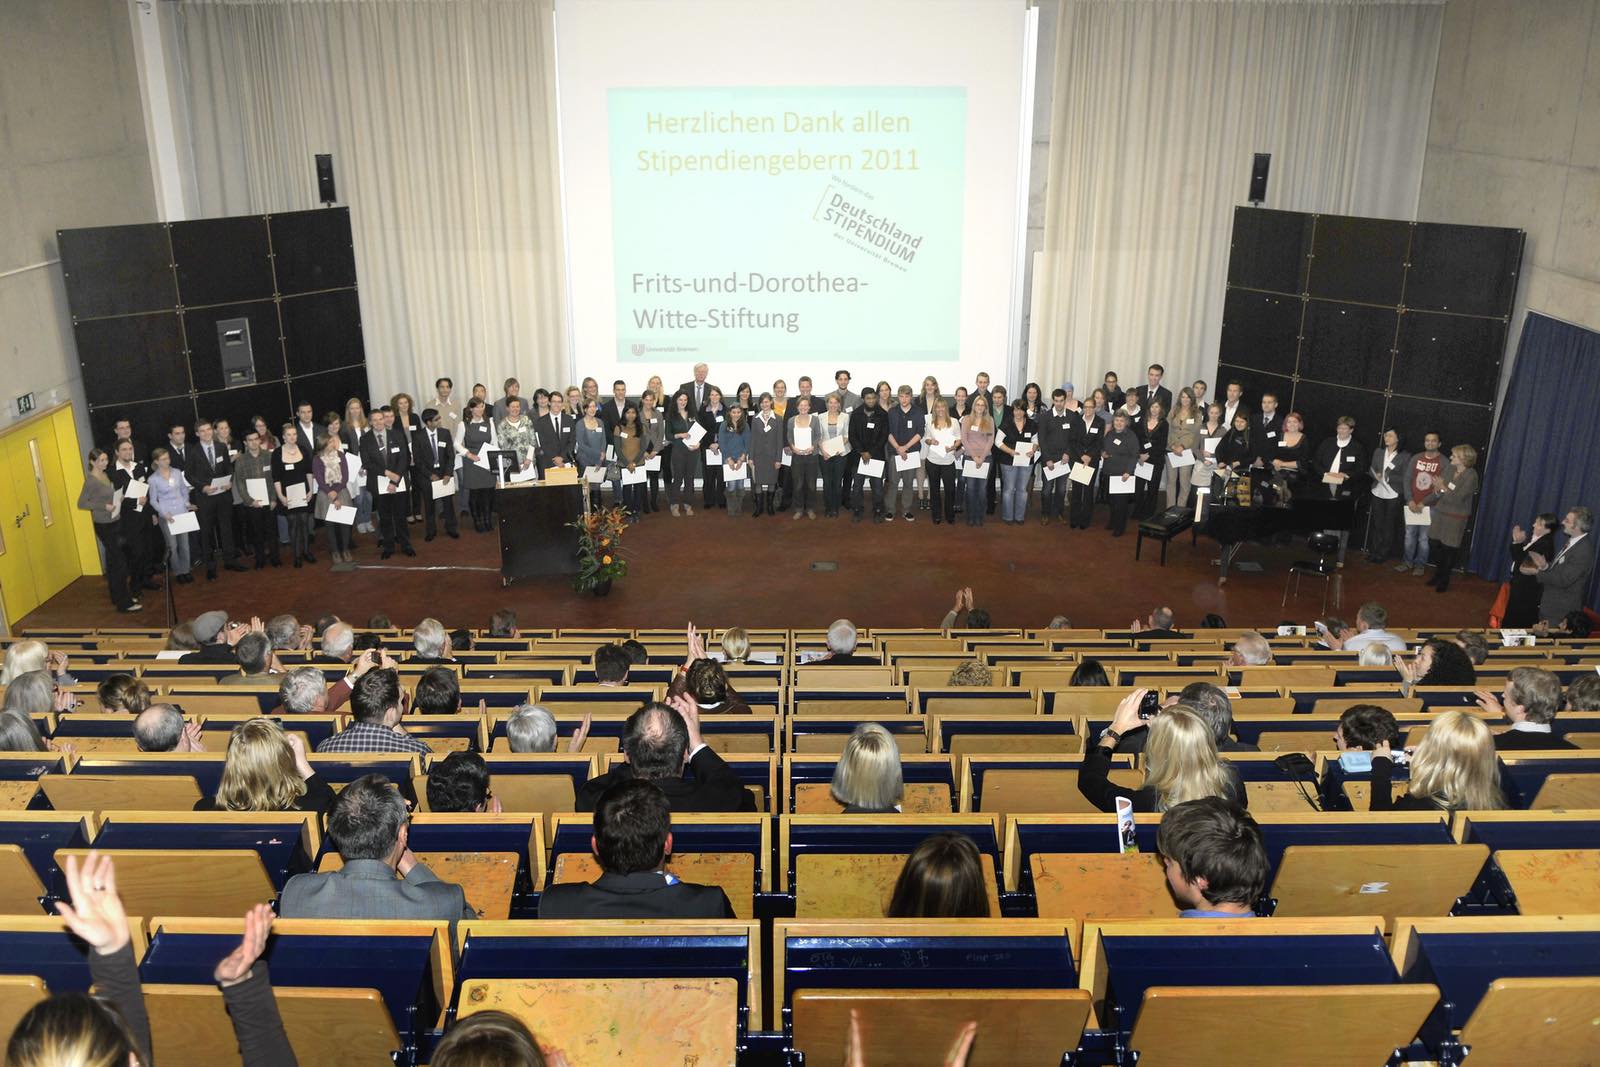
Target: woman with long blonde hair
[[266, 770], [1453, 769], [1181, 761], [977, 441], [868, 778]]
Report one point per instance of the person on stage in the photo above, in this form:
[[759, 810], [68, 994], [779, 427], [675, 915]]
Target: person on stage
[[1153, 438], [1153, 390], [766, 455], [942, 458], [1451, 500], [98, 498], [169, 498], [977, 444], [1426, 472], [386, 458], [1389, 488], [404, 419], [1113, 394], [435, 463], [477, 440], [545, 442], [1214, 429], [332, 471], [134, 524], [836, 467], [1291, 455], [208, 461], [589, 440], [291, 487], [254, 464], [695, 390], [733, 441], [999, 411], [1016, 446], [1266, 430], [685, 454], [869, 436], [1235, 452], [802, 439], [1342, 456], [1183, 435], [1055, 449], [745, 397], [352, 426], [1522, 606], [927, 400], [841, 392], [711, 418], [1121, 457], [906, 427], [1087, 445], [627, 444], [654, 426]]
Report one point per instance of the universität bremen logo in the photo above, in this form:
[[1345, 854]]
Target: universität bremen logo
[[640, 349]]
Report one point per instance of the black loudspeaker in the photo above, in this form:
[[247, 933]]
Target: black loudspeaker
[[325, 178], [1258, 177]]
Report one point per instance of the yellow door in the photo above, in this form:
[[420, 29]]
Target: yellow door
[[16, 570], [48, 542]]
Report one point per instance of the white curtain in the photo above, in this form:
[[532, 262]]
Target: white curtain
[[440, 116], [1158, 107]]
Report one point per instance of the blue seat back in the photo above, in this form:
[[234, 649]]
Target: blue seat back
[[501, 837], [281, 846], [1534, 833], [821, 768], [206, 773], [979, 726], [40, 840], [1522, 781], [55, 956], [1463, 965], [687, 836]]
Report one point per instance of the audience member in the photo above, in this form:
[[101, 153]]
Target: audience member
[[287, 635], [1158, 626], [1089, 672], [611, 665], [1453, 769], [868, 779], [36, 693], [1371, 619], [19, 734], [503, 623], [1215, 858], [31, 654], [122, 693], [431, 643], [438, 692], [181, 638], [460, 782], [160, 728], [1529, 703], [1375, 655], [735, 645], [1180, 761], [638, 655], [338, 642], [1584, 693], [304, 691], [533, 729], [217, 637], [266, 770], [1473, 644], [1059, 622], [1363, 727], [661, 742], [378, 706], [1212, 621], [1251, 650], [1437, 662], [1565, 578], [971, 673], [1203, 699], [842, 647], [257, 662], [490, 1039], [379, 621], [371, 829], [942, 879], [632, 841]]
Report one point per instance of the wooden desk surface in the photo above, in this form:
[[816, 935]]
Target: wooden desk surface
[[14, 796], [1129, 885], [488, 878], [1554, 881], [921, 798], [326, 1027], [859, 886], [735, 872], [18, 993]]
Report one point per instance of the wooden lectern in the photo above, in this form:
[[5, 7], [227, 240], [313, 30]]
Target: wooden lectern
[[535, 538]]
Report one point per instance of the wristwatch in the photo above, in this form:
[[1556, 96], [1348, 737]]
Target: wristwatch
[[1109, 732]]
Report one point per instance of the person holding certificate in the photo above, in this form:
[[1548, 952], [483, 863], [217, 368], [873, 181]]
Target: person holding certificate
[[210, 474], [803, 437], [252, 472], [835, 424], [1122, 456], [906, 426], [477, 441], [685, 434], [589, 441], [291, 479], [1388, 470], [627, 443], [1016, 444], [766, 455], [943, 439], [711, 416], [869, 437], [386, 457], [169, 497], [1183, 437], [1087, 444], [1291, 455], [654, 426], [1153, 437], [733, 441], [1055, 453], [99, 498], [977, 442], [332, 471]]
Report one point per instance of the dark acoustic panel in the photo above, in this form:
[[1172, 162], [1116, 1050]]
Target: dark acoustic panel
[[1269, 250], [205, 357], [1261, 330], [330, 390], [1321, 405], [322, 331], [1451, 357], [1359, 259], [313, 250], [150, 420], [117, 270], [222, 261], [1348, 344], [1454, 423], [1469, 270], [239, 406], [137, 357]]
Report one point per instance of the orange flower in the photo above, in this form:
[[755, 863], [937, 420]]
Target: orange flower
[[605, 559]]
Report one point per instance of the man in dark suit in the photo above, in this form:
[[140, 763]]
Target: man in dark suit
[[386, 457], [370, 825], [698, 390], [552, 435], [1159, 626], [1564, 580], [208, 461], [436, 458], [661, 741], [1529, 702], [1266, 430], [1154, 390], [312, 433], [632, 840], [612, 410]]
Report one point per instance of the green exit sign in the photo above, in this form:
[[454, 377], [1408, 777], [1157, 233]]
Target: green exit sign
[[24, 403]]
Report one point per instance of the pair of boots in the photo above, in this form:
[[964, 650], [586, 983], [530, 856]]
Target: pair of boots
[[763, 499]]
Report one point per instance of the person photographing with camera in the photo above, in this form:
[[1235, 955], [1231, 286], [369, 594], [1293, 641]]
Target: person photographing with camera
[[1181, 761]]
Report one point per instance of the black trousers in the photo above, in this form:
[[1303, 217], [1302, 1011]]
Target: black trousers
[[216, 528], [261, 533], [992, 493], [116, 563], [1053, 497], [712, 492], [803, 482], [392, 515], [833, 482], [134, 528], [431, 507], [1443, 557], [875, 486], [1383, 530], [942, 490], [481, 502], [1082, 504], [1121, 503]]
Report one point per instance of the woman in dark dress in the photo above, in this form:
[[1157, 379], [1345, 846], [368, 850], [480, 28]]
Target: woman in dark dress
[[477, 438], [1153, 435], [1292, 458], [294, 487], [1522, 609]]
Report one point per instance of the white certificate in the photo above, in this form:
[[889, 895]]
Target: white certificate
[[596, 474], [1209, 444], [483, 458], [116, 502], [834, 446], [184, 522], [1417, 518], [1144, 471], [138, 490], [908, 462], [1060, 470], [636, 476], [222, 481], [653, 463], [870, 468], [1331, 478], [256, 489], [786, 460], [518, 476], [969, 469], [713, 457], [1082, 473], [1021, 458], [736, 476], [1382, 491], [385, 489], [802, 437], [696, 432], [355, 469], [295, 494], [444, 488], [1182, 459], [1121, 485], [341, 515]]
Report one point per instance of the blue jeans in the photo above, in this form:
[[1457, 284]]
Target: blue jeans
[[177, 550], [1416, 546], [1014, 492], [973, 493]]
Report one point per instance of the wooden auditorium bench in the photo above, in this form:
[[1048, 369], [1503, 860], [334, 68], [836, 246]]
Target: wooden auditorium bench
[[842, 866]]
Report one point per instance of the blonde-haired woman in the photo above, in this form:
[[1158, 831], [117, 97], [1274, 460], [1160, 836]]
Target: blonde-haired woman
[[1181, 761], [407, 422], [267, 770], [977, 441], [1183, 435], [1453, 769], [1451, 501], [867, 779], [735, 645]]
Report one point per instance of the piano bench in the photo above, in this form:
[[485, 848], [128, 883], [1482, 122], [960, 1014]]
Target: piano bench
[[1164, 527]]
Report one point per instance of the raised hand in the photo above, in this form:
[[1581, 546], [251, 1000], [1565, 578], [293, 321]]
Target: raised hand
[[235, 966], [95, 912], [580, 735]]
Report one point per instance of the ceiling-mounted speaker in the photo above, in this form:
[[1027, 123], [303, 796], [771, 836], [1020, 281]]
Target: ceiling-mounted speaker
[[325, 179], [1258, 178]]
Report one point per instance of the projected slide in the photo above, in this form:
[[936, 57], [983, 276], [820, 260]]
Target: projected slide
[[780, 222]]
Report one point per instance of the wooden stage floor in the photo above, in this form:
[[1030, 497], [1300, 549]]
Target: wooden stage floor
[[717, 571]]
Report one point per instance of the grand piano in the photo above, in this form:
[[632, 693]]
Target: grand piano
[[1249, 510]]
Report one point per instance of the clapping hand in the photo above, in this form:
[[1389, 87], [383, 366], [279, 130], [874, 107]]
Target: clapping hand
[[235, 966], [684, 705], [580, 735], [1488, 702], [1537, 560], [95, 913], [1518, 535], [297, 748], [190, 741]]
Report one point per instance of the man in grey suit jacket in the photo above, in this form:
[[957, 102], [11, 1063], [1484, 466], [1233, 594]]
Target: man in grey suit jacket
[[370, 826], [1565, 579]]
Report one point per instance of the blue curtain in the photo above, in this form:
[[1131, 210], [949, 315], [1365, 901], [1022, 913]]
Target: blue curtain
[[1546, 444]]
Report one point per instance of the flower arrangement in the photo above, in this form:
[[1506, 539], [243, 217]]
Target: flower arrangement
[[600, 559]]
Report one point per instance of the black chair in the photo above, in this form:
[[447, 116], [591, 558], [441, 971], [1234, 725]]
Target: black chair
[[1326, 566]]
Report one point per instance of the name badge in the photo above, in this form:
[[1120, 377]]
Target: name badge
[[1349, 459], [1281, 444], [719, 418], [1451, 486], [1094, 429], [1116, 440], [394, 448], [1063, 425], [1272, 433], [766, 427], [871, 425]]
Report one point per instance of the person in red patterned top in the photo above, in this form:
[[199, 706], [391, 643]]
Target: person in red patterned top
[[1426, 468]]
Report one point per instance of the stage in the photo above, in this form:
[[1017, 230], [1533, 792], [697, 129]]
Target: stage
[[718, 571]]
